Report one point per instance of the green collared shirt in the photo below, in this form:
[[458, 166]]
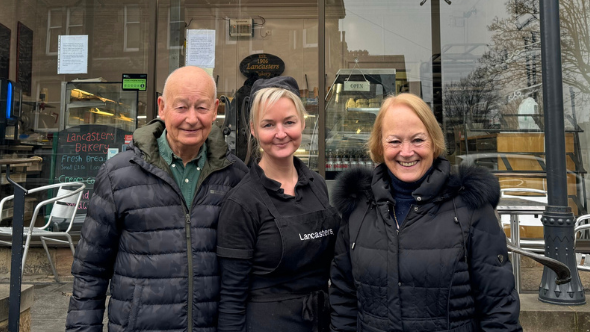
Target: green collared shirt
[[186, 177]]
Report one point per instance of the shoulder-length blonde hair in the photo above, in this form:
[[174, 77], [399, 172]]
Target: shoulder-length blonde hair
[[423, 112], [264, 99]]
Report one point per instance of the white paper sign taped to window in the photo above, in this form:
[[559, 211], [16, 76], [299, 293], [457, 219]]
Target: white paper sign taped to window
[[72, 54], [200, 48]]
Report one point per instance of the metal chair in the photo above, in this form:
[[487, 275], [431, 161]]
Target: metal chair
[[582, 226], [65, 204]]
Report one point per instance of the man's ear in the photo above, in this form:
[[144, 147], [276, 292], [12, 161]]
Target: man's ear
[[161, 107], [216, 107]]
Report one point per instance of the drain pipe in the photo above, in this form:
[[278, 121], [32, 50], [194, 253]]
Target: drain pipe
[[558, 219]]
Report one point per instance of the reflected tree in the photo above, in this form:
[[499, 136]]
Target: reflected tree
[[516, 45], [472, 99]]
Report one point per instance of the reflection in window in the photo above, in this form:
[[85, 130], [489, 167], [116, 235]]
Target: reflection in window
[[175, 27], [54, 29], [73, 25], [132, 28]]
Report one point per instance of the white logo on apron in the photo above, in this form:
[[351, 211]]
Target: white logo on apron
[[316, 235]]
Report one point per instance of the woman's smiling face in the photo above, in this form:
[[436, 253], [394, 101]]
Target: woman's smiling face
[[407, 147], [279, 130]]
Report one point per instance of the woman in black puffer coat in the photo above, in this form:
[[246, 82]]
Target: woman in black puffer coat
[[421, 249]]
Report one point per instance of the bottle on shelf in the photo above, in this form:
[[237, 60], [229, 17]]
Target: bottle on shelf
[[330, 162], [337, 162], [345, 161], [360, 159], [352, 159], [369, 163]]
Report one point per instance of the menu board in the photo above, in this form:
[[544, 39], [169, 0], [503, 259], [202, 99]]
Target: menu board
[[79, 153], [24, 57], [4, 51]]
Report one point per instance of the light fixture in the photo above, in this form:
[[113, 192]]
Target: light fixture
[[424, 1]]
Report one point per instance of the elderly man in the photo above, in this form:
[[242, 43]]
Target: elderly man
[[152, 222]]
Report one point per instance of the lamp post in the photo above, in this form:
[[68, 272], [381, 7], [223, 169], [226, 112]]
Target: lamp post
[[558, 219]]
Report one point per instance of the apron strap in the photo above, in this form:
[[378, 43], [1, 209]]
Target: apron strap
[[264, 194], [322, 198]]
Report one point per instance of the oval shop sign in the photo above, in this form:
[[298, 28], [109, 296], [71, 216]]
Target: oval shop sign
[[262, 65]]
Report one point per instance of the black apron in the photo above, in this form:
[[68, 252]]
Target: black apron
[[307, 251]]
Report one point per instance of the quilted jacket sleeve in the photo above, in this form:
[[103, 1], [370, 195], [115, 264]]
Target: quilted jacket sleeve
[[497, 302], [94, 259], [342, 290]]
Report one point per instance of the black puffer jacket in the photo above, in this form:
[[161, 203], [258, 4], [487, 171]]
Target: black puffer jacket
[[138, 232], [446, 270]]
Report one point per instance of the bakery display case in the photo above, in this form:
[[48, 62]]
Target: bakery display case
[[104, 103], [352, 104]]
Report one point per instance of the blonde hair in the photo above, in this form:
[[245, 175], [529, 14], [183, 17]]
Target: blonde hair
[[263, 100], [422, 110]]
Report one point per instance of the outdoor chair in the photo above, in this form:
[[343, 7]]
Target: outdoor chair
[[527, 210], [582, 226], [64, 207]]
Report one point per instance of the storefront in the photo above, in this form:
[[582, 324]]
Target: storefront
[[477, 63]]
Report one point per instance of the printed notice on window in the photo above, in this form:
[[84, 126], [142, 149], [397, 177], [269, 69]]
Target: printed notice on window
[[200, 48], [72, 54]]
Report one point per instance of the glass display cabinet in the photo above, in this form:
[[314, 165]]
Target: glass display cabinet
[[352, 104], [105, 103]]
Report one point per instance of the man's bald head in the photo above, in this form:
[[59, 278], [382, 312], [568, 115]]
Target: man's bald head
[[192, 72]]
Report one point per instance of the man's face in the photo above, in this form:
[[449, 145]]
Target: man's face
[[188, 109]]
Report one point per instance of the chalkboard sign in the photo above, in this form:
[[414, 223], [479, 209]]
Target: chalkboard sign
[[24, 57], [79, 153], [4, 51]]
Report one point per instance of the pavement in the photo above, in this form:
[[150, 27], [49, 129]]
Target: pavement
[[51, 300], [50, 307]]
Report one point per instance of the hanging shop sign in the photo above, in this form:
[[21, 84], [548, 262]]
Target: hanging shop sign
[[134, 82], [357, 86], [262, 65]]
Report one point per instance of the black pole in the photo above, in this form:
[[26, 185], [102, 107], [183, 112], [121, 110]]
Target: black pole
[[16, 255], [558, 219]]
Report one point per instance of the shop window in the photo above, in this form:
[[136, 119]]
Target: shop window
[[72, 23], [175, 28], [132, 28]]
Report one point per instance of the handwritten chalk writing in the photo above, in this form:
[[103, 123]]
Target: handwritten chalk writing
[[98, 159], [71, 159], [73, 167], [83, 205], [64, 178], [102, 148], [86, 194], [90, 137]]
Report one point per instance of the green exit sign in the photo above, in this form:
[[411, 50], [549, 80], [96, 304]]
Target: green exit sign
[[135, 82]]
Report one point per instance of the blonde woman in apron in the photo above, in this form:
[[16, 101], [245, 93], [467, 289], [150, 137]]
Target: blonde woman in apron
[[277, 230]]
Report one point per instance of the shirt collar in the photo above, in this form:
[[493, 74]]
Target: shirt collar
[[275, 186], [169, 156]]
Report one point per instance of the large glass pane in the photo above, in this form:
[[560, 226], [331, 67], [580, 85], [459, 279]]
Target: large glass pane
[[255, 33], [478, 65], [374, 48], [93, 105], [492, 93]]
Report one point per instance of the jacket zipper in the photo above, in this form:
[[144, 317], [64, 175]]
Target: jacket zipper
[[189, 251]]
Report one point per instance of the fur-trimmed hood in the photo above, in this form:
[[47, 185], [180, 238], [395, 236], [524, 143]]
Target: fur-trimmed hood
[[475, 185]]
